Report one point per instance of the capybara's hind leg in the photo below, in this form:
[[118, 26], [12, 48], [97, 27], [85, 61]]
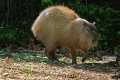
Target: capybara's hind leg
[[50, 52]]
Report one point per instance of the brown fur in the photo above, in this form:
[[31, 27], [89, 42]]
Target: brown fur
[[59, 26]]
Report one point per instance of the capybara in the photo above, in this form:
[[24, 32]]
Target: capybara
[[60, 26]]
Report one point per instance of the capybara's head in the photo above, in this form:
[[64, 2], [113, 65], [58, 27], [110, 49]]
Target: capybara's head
[[88, 33]]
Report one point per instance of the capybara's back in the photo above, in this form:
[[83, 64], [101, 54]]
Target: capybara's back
[[59, 26], [51, 23]]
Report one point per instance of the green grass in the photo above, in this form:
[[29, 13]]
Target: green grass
[[27, 56]]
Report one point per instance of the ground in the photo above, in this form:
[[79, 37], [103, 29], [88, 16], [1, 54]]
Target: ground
[[40, 69]]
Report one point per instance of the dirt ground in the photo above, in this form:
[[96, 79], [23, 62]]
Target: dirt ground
[[42, 71]]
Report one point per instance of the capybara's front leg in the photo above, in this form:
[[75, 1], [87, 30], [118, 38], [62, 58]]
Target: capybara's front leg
[[86, 55], [84, 58]]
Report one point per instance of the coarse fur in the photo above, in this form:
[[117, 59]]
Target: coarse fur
[[59, 26]]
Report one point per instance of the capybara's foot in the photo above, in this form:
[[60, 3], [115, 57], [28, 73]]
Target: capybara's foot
[[74, 62], [53, 61]]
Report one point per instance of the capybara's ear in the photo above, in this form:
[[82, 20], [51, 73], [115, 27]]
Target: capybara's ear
[[94, 23]]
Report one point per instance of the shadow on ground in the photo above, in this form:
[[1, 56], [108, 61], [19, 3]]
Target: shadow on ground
[[110, 67], [98, 67]]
